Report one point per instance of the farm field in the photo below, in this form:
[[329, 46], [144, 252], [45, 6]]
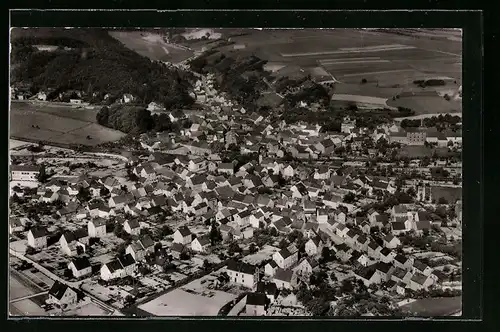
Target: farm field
[[444, 306], [151, 45], [58, 125], [451, 194], [389, 62], [427, 104]]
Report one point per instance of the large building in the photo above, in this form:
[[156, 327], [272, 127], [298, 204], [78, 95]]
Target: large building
[[24, 173], [416, 136]]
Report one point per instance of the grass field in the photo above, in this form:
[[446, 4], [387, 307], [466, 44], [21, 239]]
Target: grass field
[[62, 125], [451, 194], [151, 45], [427, 104], [434, 307]]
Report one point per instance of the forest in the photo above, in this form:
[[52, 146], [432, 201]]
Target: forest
[[93, 62]]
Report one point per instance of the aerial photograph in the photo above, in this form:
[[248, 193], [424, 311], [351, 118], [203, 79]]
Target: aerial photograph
[[223, 172]]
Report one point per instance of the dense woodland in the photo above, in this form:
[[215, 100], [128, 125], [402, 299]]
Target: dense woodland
[[95, 63]]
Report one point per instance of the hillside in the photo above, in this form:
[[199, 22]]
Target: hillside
[[91, 61]]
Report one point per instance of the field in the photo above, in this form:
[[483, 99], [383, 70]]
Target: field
[[387, 63], [193, 299], [151, 45], [63, 125], [427, 104], [433, 307], [451, 194]]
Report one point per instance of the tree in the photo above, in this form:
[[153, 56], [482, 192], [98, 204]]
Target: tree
[[349, 198], [84, 194], [104, 192], [68, 274], [42, 176], [118, 230], [215, 235], [166, 231], [326, 255], [283, 244], [234, 248], [253, 248]]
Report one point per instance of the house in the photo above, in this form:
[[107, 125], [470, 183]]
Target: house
[[269, 289], [70, 241], [391, 242], [132, 227], [306, 266], [283, 278], [80, 267], [288, 172], [398, 228], [183, 235], [226, 168], [118, 268], [96, 227], [271, 268], [399, 211], [420, 281], [37, 237], [23, 173], [200, 244], [360, 258], [256, 304], [62, 295], [374, 249], [15, 225], [140, 248], [419, 267], [49, 197], [176, 249], [314, 246], [119, 202], [285, 259], [242, 274], [368, 275], [403, 262], [384, 270], [387, 255]]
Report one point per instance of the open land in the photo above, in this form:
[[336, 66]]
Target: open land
[[62, 125], [152, 46]]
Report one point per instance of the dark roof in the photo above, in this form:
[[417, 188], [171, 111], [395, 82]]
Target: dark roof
[[38, 232], [25, 168], [385, 251], [419, 278], [133, 223], [114, 265], [419, 266], [240, 267], [267, 288], [398, 226], [383, 267], [256, 299], [58, 289], [400, 258], [126, 260], [285, 253], [81, 263], [184, 230], [146, 241], [366, 273], [283, 275]]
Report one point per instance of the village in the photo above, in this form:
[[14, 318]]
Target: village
[[264, 214]]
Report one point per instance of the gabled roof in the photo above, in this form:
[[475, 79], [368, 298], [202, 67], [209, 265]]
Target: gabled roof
[[283, 275], [133, 223], [240, 267], [126, 260], [58, 290], [419, 278], [398, 226], [81, 263], [203, 240], [39, 232], [184, 230]]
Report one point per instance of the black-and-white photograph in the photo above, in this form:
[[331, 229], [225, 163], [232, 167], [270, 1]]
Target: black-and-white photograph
[[223, 172]]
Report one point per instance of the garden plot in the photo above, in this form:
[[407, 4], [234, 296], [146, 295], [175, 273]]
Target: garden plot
[[265, 253], [427, 104]]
